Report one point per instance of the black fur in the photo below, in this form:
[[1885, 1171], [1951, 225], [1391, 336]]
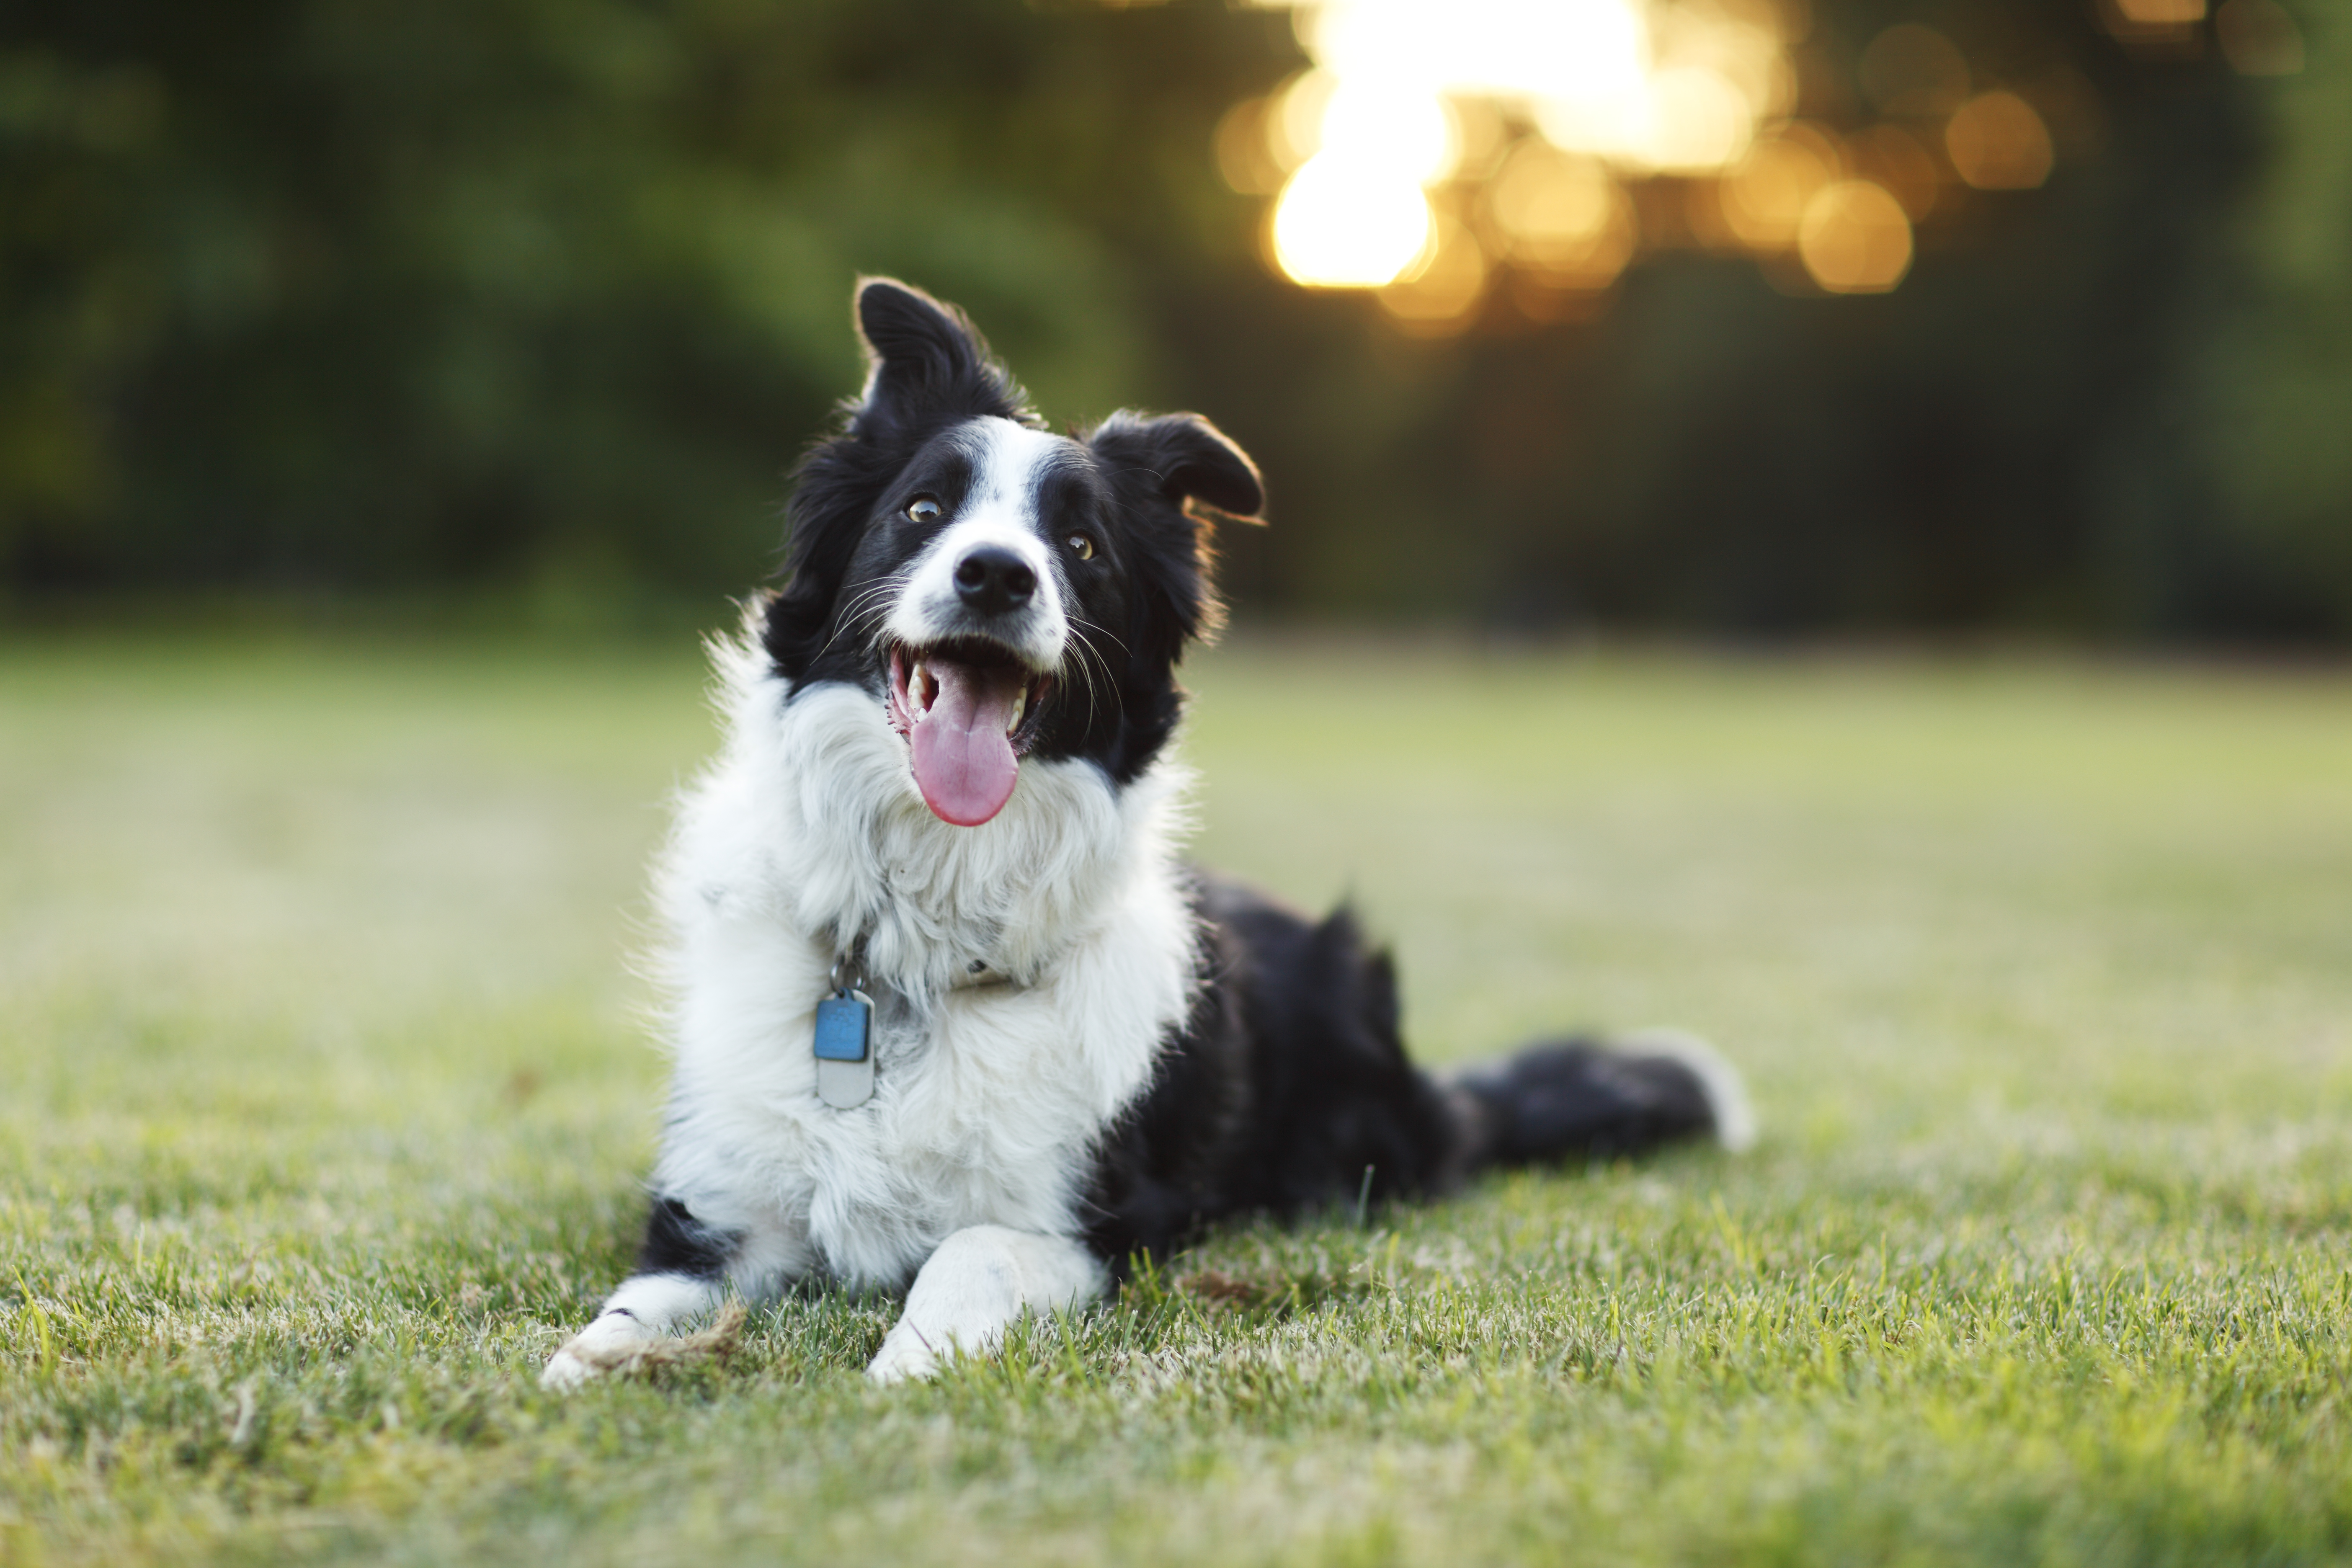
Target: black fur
[[1571, 1100], [1289, 1087], [1290, 1092], [677, 1242]]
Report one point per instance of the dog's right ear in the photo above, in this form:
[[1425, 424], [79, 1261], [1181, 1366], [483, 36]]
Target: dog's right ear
[[928, 364]]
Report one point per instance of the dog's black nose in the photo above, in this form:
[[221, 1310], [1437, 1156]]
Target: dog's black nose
[[992, 580]]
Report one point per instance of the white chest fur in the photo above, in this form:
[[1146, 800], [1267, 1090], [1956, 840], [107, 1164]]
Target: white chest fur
[[988, 1099]]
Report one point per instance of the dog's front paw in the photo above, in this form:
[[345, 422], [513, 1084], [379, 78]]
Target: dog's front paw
[[566, 1371], [903, 1358], [594, 1350]]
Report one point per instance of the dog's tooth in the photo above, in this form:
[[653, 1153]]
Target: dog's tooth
[[1020, 706]]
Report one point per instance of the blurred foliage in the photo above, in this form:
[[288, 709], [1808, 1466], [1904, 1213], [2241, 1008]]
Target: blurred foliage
[[370, 294], [2281, 360], [381, 291]]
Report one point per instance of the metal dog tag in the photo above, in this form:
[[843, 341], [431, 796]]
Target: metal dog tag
[[845, 1049]]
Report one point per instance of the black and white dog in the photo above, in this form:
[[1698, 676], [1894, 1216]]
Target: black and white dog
[[949, 1011]]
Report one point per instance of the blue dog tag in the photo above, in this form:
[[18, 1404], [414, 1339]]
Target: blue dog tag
[[843, 1047], [841, 1027]]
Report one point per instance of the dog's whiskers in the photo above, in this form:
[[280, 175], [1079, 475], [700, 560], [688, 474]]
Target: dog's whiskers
[[1088, 659], [1088, 650], [871, 602], [1081, 621]]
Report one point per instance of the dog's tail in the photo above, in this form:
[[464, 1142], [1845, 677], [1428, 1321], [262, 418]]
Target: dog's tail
[[1559, 1101]]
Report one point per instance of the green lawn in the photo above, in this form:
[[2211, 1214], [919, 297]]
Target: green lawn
[[324, 1101]]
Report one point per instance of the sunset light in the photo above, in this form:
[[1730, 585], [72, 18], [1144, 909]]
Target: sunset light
[[1612, 90], [1997, 143], [1854, 238], [1434, 146], [1349, 223]]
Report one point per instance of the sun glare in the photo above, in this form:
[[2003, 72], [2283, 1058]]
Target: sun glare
[[1402, 130], [1349, 223], [1435, 146], [1616, 84]]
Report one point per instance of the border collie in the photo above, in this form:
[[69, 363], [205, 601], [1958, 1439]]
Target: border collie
[[950, 1013]]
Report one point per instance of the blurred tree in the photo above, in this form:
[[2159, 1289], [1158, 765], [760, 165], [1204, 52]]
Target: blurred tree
[[2030, 433], [2277, 365], [368, 293], [363, 293]]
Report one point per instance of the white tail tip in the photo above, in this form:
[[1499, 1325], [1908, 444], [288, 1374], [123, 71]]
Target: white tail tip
[[1726, 1092]]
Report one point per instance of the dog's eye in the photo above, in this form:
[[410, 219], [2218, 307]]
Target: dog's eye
[[1081, 546], [923, 509]]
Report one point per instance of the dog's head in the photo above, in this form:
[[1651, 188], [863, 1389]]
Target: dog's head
[[1004, 592]]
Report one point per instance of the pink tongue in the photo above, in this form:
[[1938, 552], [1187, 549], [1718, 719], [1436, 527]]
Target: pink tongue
[[964, 759]]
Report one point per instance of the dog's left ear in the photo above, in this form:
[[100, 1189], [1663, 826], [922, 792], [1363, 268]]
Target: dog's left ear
[[1183, 456], [1157, 466]]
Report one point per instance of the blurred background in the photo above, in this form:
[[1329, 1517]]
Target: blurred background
[[1740, 319]]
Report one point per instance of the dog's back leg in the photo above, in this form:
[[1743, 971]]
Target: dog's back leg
[[684, 1266], [1339, 1113]]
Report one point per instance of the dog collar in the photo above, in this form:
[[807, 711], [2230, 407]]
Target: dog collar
[[978, 972], [843, 1041]]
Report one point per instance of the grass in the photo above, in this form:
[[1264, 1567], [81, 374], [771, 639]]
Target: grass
[[324, 1101]]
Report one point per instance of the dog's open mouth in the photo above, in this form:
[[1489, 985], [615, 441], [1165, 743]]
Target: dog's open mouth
[[969, 710]]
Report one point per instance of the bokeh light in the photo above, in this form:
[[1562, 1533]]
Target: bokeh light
[[1297, 130], [2258, 37], [1593, 52], [1447, 282], [1402, 92], [1892, 157], [1245, 155], [1349, 223], [2161, 12], [1552, 207], [1998, 143], [1765, 198], [1408, 133], [1563, 218], [1854, 238], [1434, 143], [2158, 28], [1699, 120]]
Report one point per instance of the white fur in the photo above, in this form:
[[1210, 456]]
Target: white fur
[[988, 1099], [979, 1280], [997, 509], [645, 1309]]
